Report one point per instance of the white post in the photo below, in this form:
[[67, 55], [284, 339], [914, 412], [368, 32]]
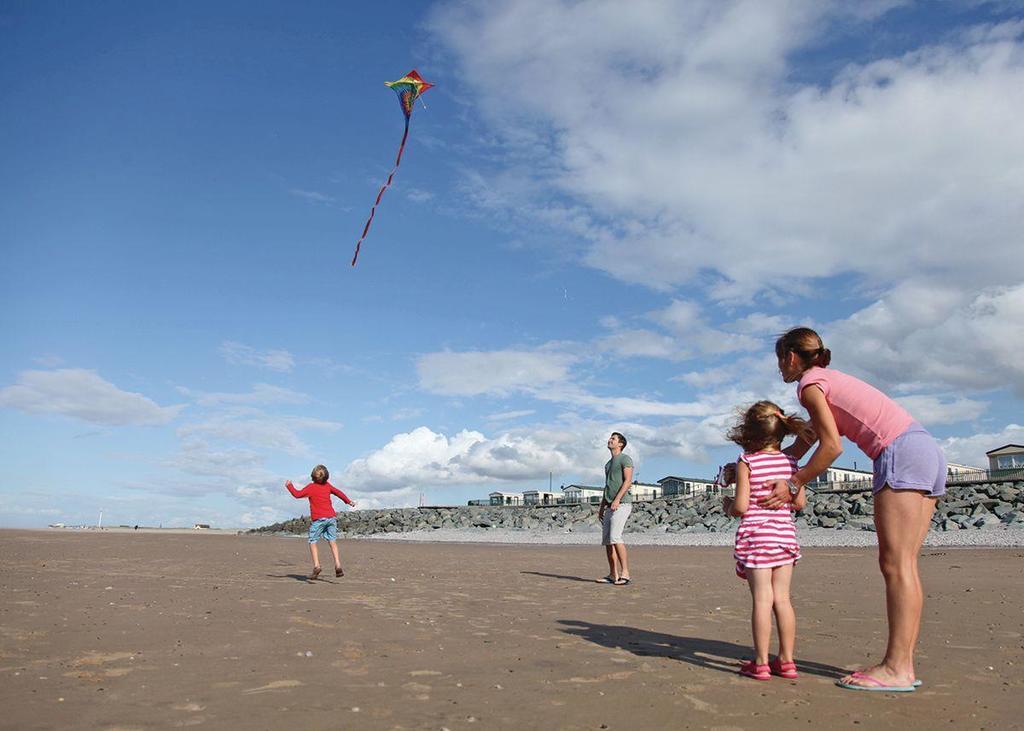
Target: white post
[[100, 523]]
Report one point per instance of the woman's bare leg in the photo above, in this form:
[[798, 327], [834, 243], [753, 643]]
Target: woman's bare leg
[[901, 520]]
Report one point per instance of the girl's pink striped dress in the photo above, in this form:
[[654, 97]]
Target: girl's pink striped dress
[[766, 538]]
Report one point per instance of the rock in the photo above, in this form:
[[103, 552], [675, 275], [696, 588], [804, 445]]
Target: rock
[[827, 522], [1002, 509], [987, 521], [861, 524]]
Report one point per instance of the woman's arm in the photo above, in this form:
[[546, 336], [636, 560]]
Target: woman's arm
[[800, 500], [742, 500], [830, 446]]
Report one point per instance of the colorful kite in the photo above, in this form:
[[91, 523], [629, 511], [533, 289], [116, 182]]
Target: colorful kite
[[409, 88]]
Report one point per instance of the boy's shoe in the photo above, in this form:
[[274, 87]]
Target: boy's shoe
[[758, 672], [783, 669], [339, 572], [316, 572]]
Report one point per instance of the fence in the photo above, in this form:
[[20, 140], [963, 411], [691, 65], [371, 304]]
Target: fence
[[971, 477]]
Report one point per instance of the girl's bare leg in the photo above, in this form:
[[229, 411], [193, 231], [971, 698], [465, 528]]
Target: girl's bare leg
[[315, 555], [760, 583], [901, 520], [785, 617], [334, 550]]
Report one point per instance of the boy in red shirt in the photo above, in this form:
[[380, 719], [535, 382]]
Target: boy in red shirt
[[323, 523]]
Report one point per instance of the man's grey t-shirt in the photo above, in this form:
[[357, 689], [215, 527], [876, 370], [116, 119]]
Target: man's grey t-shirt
[[613, 478]]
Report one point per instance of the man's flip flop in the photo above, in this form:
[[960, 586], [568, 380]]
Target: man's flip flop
[[874, 685], [622, 581], [607, 580]]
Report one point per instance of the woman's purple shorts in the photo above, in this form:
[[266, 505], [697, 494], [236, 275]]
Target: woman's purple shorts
[[912, 461]]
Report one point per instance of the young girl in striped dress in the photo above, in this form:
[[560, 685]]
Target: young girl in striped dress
[[766, 544]]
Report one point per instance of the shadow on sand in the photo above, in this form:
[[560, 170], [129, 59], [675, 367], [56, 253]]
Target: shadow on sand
[[564, 577], [725, 657], [300, 577]]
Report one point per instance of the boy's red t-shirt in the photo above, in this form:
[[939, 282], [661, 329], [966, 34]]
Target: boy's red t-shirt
[[319, 498]]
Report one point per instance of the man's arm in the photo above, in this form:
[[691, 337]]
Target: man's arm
[[627, 480]]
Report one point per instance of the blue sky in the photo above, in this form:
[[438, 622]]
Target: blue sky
[[604, 215]]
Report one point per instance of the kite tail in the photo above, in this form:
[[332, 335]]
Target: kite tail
[[398, 161]]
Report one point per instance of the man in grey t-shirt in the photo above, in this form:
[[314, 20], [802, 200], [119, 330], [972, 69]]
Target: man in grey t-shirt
[[616, 505]]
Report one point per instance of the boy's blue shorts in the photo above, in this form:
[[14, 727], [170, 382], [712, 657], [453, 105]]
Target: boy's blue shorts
[[323, 528]]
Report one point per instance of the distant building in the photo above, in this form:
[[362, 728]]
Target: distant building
[[198, 526], [673, 486], [574, 494], [963, 471], [506, 498], [539, 497], [644, 491], [1005, 458], [841, 474]]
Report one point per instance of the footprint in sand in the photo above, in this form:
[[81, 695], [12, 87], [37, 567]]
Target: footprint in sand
[[420, 692], [600, 679], [272, 686]]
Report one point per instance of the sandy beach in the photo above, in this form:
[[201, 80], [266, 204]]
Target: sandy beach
[[146, 630]]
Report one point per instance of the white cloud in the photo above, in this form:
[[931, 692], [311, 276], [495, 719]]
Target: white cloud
[[509, 415], [419, 196], [261, 393], [258, 430], [933, 410], [312, 195], [704, 161], [971, 450], [495, 372], [239, 353], [83, 394], [937, 337]]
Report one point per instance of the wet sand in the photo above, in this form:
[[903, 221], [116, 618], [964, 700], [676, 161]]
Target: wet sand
[[144, 630]]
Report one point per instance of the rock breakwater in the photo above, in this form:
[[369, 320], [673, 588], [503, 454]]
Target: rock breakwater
[[964, 507]]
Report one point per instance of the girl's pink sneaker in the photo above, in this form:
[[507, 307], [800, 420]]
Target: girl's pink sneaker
[[783, 669], [758, 672]]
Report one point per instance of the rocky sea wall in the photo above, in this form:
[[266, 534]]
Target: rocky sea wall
[[964, 507]]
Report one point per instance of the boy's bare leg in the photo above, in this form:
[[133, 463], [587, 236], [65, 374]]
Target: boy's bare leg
[[316, 559], [337, 558]]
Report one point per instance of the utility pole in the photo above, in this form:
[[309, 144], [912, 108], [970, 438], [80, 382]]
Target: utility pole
[[100, 523], [549, 481]]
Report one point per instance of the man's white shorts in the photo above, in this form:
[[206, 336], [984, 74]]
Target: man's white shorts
[[613, 523]]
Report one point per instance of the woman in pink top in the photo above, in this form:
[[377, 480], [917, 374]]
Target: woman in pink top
[[909, 474]]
